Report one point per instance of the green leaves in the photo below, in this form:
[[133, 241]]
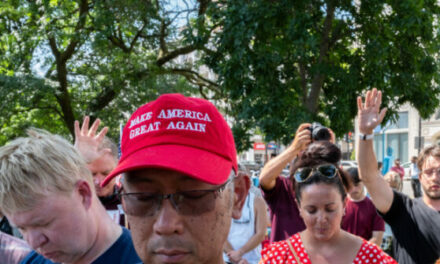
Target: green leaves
[[61, 60], [277, 63], [282, 63]]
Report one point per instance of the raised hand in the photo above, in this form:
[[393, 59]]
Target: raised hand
[[303, 137], [369, 113], [87, 142]]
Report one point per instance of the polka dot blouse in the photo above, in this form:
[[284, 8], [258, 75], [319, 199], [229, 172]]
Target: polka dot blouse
[[279, 252]]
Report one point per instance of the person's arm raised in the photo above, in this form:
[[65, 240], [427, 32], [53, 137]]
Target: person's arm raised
[[273, 168], [87, 142], [369, 117]]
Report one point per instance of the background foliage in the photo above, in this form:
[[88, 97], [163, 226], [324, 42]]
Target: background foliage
[[61, 60], [278, 63], [285, 62]]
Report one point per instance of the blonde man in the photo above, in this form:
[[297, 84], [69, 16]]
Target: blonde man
[[47, 191]]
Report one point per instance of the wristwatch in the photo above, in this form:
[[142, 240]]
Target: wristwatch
[[366, 136]]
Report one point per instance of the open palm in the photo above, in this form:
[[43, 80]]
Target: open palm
[[88, 142], [368, 113]]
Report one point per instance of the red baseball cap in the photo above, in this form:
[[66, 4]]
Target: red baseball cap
[[184, 134]]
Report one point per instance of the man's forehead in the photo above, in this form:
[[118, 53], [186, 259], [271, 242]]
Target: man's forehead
[[29, 217], [106, 159], [431, 162], [158, 176]]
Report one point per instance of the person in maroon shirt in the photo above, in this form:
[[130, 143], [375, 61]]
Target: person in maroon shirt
[[360, 217], [397, 168], [278, 191]]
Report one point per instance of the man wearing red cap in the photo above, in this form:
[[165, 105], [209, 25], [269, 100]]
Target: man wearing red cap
[[180, 188]]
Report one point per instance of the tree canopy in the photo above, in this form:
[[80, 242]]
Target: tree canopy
[[282, 63], [277, 63], [60, 60]]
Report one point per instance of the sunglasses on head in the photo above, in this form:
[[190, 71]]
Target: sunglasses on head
[[326, 170]]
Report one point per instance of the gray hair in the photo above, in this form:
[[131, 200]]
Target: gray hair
[[108, 143]]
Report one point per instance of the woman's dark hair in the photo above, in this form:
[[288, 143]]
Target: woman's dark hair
[[353, 174], [318, 153]]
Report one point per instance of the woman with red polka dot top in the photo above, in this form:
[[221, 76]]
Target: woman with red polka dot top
[[320, 188]]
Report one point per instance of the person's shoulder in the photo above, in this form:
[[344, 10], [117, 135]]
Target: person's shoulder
[[282, 185], [126, 234], [122, 251], [280, 249], [368, 202], [400, 205], [274, 249], [373, 253], [422, 210]]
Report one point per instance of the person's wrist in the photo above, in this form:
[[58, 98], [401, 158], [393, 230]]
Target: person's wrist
[[293, 151], [295, 146], [366, 131], [366, 136]]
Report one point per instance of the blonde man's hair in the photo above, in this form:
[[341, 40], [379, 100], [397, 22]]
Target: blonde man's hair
[[34, 166]]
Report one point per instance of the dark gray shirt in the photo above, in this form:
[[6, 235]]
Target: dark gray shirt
[[416, 229]]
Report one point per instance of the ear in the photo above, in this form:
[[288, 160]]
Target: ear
[[242, 184], [85, 193]]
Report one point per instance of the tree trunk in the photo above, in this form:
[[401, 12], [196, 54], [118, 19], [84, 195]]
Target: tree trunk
[[318, 78], [63, 97]]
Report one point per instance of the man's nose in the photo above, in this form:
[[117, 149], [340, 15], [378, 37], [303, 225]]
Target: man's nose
[[35, 238], [96, 180], [168, 220]]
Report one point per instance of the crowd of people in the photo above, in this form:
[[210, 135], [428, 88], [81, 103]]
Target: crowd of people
[[178, 195]]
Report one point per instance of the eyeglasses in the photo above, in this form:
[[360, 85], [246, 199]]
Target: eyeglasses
[[326, 170], [431, 171], [195, 202]]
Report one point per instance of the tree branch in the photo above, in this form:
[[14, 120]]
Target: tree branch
[[194, 78], [338, 33], [118, 43], [202, 93], [83, 10], [318, 78], [174, 54], [102, 100], [203, 5], [53, 47], [302, 74], [163, 46], [136, 37]]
